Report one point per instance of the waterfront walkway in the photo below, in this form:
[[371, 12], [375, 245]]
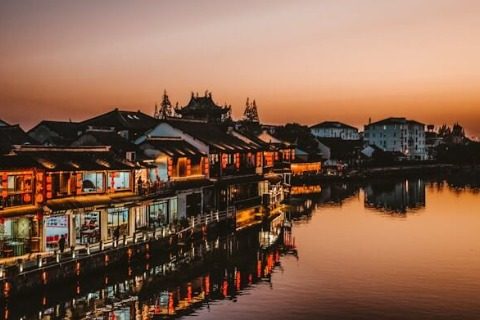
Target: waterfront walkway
[[33, 261]]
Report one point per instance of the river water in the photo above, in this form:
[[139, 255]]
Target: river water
[[404, 249]]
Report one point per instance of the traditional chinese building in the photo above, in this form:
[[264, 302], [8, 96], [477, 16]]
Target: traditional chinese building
[[11, 136], [234, 164], [204, 108], [56, 133], [129, 124], [279, 155], [122, 147], [81, 193]]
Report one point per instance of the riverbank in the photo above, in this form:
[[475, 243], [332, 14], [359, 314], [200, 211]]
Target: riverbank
[[45, 269], [387, 171], [137, 278]]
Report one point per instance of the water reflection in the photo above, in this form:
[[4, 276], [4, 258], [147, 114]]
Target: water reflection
[[395, 197], [349, 264], [204, 272]]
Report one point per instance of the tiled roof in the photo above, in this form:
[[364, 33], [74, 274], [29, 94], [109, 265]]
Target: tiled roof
[[332, 124], [215, 136], [117, 143], [66, 129], [13, 135], [172, 147], [123, 120], [67, 159], [394, 120]]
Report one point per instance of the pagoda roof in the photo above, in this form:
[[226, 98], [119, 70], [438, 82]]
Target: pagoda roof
[[201, 105]]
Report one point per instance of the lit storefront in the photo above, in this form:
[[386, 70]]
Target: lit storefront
[[306, 168], [87, 227], [55, 226], [117, 218], [19, 231], [141, 217], [162, 212], [19, 235]]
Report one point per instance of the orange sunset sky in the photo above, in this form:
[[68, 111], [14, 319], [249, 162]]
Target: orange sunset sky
[[303, 61]]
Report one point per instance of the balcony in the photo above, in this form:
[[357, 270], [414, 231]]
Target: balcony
[[232, 170], [16, 199], [248, 203]]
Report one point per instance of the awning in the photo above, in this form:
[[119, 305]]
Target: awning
[[174, 147], [78, 202], [19, 211], [274, 178], [239, 179]]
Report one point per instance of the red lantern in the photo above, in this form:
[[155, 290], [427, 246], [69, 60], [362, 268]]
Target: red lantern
[[189, 167], [4, 185], [27, 198], [39, 198]]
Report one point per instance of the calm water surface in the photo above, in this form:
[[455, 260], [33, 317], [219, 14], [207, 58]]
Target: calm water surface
[[405, 249]]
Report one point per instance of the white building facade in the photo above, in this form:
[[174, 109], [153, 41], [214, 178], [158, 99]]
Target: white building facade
[[398, 135], [334, 129]]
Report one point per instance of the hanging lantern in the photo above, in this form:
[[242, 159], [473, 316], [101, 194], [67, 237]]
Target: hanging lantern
[[259, 160], [237, 160], [48, 186], [169, 167], [27, 198], [4, 185], [189, 167], [112, 181], [224, 160], [206, 166], [78, 179]]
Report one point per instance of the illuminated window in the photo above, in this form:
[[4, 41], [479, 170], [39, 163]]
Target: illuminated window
[[119, 180], [117, 218], [92, 182]]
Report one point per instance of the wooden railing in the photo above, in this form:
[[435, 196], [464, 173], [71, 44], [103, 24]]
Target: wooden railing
[[209, 218], [45, 259]]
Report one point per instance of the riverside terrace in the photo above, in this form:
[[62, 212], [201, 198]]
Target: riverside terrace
[[85, 193], [50, 192]]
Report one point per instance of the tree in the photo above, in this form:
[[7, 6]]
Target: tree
[[251, 113], [458, 131], [166, 109], [444, 131], [299, 135]]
